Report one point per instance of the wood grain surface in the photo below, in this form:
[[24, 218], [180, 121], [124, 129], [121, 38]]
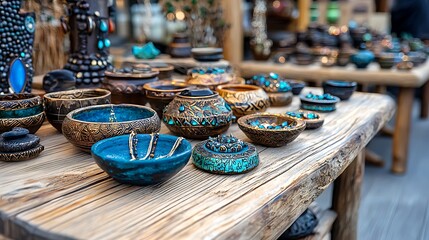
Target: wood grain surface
[[63, 194], [372, 75]]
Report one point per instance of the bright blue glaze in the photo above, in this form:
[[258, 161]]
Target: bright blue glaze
[[17, 76], [103, 26], [122, 113], [113, 156], [20, 113], [363, 58]]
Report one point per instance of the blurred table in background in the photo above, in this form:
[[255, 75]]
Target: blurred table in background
[[407, 81]]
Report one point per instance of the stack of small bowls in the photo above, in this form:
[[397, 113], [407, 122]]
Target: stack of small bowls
[[21, 110]]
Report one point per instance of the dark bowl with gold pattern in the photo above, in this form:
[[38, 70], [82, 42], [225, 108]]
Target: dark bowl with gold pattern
[[21, 110], [161, 93], [85, 126], [244, 99], [126, 84], [271, 130], [59, 104], [197, 114]]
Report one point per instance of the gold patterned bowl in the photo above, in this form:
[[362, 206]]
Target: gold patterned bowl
[[59, 104], [21, 110], [244, 99], [85, 126], [271, 130]]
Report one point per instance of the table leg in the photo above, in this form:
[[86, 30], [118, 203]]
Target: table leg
[[402, 130], [346, 199], [424, 101]]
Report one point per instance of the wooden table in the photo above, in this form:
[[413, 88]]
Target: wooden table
[[63, 194], [407, 81], [118, 60]]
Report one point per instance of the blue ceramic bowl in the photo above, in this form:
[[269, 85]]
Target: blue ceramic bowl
[[113, 156]]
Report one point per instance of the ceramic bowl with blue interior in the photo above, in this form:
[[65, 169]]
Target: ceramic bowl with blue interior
[[21, 110], [270, 129], [85, 126], [341, 89], [113, 156], [320, 103]]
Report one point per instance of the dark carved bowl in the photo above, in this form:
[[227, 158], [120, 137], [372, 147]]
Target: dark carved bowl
[[160, 93], [85, 126], [271, 137], [113, 156], [297, 86], [21, 110], [59, 104], [319, 105], [343, 90]]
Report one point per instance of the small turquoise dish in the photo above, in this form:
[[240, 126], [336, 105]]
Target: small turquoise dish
[[225, 155], [147, 51], [319, 103], [113, 156]]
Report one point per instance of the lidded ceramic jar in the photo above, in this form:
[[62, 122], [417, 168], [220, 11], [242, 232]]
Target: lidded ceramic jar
[[244, 99], [126, 84], [197, 114]]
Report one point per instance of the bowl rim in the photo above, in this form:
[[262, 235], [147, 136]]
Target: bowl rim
[[251, 88], [23, 118], [188, 149], [334, 83], [72, 113], [151, 86], [107, 93], [31, 98], [242, 122]]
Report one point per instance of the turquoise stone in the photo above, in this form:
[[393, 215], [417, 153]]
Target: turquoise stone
[[22, 54], [17, 76], [171, 122], [103, 26], [181, 108], [100, 44], [214, 122], [107, 42], [194, 123]]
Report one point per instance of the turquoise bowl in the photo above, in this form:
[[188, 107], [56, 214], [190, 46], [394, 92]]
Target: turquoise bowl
[[113, 156]]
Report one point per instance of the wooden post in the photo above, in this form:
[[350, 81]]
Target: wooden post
[[304, 15], [233, 42], [346, 198], [424, 101], [401, 136]]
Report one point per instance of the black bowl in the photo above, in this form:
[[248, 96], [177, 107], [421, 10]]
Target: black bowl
[[343, 90]]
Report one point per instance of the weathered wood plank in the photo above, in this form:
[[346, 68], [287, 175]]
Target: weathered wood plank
[[346, 198], [64, 194], [424, 101], [401, 135], [372, 75]]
